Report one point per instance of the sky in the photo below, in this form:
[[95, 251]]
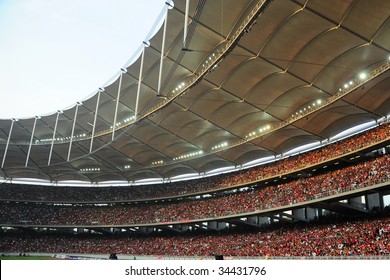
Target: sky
[[54, 53]]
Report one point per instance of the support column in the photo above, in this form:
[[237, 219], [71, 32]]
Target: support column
[[356, 202], [139, 82], [116, 106], [311, 214], [94, 119], [299, 214], [31, 140], [259, 220], [146, 229], [54, 137], [217, 225], [182, 228], [162, 53], [373, 201], [74, 124], [8, 140], [186, 24]]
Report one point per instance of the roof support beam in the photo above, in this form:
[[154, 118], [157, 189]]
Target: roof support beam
[[116, 106], [162, 52], [74, 124], [31, 140], [139, 83], [9, 138], [186, 23], [53, 138], [94, 121]]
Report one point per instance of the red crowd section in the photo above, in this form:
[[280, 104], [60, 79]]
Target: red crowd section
[[365, 237], [362, 175], [52, 193]]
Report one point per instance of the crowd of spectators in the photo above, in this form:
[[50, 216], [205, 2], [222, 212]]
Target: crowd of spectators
[[363, 237], [358, 176], [53, 193]]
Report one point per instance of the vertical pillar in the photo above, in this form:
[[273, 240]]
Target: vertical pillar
[[222, 225], [146, 229], [74, 124], [253, 220], [299, 214], [356, 202], [311, 214], [182, 228], [31, 140], [258, 220], [264, 221], [116, 106], [94, 119], [139, 83], [186, 24], [8, 140], [212, 225], [217, 225], [373, 201], [53, 138], [162, 53]]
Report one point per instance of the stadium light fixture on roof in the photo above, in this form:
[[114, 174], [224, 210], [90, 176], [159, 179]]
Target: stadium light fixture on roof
[[265, 128], [362, 76], [88, 170], [219, 146], [185, 156]]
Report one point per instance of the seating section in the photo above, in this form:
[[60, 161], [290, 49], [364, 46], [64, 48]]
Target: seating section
[[365, 237], [287, 165], [358, 176]]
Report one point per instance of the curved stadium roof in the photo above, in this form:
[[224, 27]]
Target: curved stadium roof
[[245, 80]]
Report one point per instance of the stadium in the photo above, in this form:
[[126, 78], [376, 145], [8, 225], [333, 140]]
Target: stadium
[[240, 130]]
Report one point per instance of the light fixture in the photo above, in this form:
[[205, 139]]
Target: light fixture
[[362, 76]]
